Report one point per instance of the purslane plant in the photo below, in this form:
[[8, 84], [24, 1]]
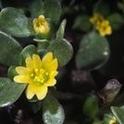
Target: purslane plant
[[34, 69]]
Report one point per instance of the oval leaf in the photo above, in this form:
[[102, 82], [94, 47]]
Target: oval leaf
[[14, 22], [91, 107], [102, 7], [12, 72], [9, 50], [116, 20], [26, 52], [47, 8], [52, 10], [36, 8], [61, 30], [85, 26], [53, 112], [118, 113], [93, 52], [62, 50], [9, 91]]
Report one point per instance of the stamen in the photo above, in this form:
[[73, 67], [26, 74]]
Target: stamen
[[32, 75], [36, 70]]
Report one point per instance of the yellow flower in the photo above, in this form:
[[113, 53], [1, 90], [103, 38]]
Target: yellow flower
[[41, 25], [113, 120], [104, 28], [96, 18], [101, 25], [38, 74]]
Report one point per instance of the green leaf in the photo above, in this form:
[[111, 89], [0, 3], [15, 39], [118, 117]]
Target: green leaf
[[108, 118], [118, 113], [102, 7], [36, 8], [53, 112], [14, 22], [26, 52], [82, 23], [9, 50], [93, 51], [52, 10], [61, 30], [62, 50], [12, 72], [9, 91], [91, 107], [116, 21], [49, 8]]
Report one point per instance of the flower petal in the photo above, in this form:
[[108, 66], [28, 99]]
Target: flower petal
[[37, 61], [30, 91], [51, 66], [54, 64], [53, 74], [29, 62], [41, 92], [51, 82], [47, 58], [22, 70], [22, 79]]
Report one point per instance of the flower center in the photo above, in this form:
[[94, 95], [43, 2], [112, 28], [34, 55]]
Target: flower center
[[40, 23], [39, 76]]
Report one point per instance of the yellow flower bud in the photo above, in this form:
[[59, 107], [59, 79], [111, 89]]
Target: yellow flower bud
[[41, 25]]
